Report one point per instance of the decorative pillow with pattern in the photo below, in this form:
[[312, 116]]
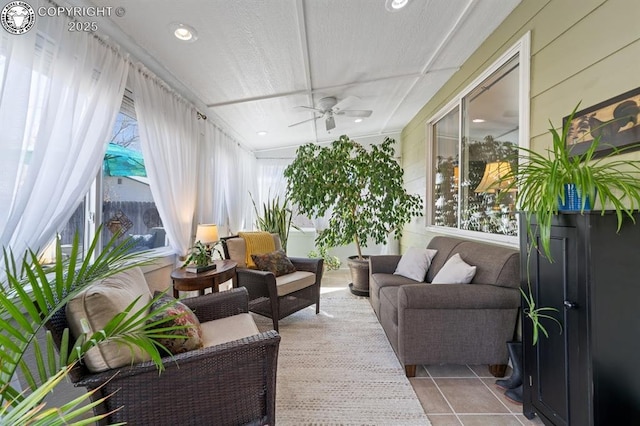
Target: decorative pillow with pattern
[[276, 262], [191, 334]]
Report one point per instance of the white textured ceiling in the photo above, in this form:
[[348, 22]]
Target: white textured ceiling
[[256, 60]]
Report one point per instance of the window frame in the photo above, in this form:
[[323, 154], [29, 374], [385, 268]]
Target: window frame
[[522, 49]]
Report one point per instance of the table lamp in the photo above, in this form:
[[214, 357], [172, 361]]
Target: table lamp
[[207, 233]]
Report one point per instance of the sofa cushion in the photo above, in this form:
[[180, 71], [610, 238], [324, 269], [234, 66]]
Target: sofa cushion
[[182, 316], [415, 263], [495, 264], [455, 271], [293, 282], [91, 310], [228, 329], [276, 262]]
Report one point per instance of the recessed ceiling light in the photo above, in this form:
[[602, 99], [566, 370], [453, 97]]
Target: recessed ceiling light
[[395, 5], [184, 32], [478, 120], [358, 120], [262, 133]]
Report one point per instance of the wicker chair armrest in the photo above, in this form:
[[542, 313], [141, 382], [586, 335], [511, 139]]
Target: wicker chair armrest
[[214, 306], [248, 347], [258, 283], [307, 264]]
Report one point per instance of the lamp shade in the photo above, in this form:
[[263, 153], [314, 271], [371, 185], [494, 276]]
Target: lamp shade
[[207, 233], [494, 177]]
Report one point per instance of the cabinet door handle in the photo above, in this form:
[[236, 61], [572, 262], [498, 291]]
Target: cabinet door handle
[[570, 305]]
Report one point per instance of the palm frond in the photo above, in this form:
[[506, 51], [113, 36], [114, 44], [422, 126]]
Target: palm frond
[[34, 292], [30, 410]]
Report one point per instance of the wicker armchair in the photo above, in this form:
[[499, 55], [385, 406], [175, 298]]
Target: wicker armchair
[[276, 297], [227, 384]]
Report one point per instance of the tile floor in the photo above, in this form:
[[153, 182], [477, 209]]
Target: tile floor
[[455, 394]]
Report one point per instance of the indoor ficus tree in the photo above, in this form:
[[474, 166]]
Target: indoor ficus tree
[[361, 188]]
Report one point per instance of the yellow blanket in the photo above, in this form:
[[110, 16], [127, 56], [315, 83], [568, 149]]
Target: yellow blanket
[[258, 242]]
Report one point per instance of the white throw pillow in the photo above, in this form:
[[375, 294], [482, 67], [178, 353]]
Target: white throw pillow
[[455, 271], [415, 263]]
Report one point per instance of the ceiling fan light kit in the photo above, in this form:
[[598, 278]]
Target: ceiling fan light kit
[[328, 107]]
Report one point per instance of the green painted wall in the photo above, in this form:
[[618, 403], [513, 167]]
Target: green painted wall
[[581, 51]]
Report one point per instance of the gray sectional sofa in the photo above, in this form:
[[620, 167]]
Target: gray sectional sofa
[[450, 323]]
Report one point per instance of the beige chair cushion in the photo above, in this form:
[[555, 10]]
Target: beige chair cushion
[[257, 242], [238, 249], [228, 329], [293, 282], [94, 307]]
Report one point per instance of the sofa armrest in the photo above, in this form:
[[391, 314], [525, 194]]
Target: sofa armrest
[[214, 306], [457, 296], [383, 264]]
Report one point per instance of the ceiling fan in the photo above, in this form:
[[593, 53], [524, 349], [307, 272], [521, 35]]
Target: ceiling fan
[[329, 107]]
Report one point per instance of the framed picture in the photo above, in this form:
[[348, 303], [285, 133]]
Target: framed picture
[[616, 121]]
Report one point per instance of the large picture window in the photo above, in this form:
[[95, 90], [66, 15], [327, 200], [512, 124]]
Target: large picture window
[[474, 143], [120, 198]]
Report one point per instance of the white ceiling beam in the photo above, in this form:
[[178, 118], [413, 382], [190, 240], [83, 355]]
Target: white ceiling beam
[[329, 88], [436, 53], [306, 58]]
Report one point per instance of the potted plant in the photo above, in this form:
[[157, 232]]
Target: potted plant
[[361, 189], [331, 263], [546, 181], [32, 293], [276, 218]]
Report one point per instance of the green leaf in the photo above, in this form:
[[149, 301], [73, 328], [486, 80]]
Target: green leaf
[[363, 189]]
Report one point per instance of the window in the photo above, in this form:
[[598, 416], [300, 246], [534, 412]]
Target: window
[[120, 198], [474, 143]]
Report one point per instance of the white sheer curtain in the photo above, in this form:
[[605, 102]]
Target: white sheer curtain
[[169, 135], [271, 181], [207, 184], [227, 175], [227, 180], [239, 207], [60, 94]]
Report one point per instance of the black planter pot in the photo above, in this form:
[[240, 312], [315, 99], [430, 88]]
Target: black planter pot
[[359, 275]]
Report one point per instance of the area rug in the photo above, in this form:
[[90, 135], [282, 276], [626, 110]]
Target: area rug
[[338, 368]]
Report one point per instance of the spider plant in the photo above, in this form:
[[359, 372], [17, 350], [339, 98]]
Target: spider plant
[[541, 180], [30, 296]]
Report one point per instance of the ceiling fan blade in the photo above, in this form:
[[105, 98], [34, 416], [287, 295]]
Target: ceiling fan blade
[[355, 112], [345, 103], [304, 107], [304, 121], [330, 123]]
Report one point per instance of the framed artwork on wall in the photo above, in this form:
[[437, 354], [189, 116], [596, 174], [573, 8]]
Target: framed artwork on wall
[[616, 121]]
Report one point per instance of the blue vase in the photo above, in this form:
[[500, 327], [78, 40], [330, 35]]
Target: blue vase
[[573, 200]]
